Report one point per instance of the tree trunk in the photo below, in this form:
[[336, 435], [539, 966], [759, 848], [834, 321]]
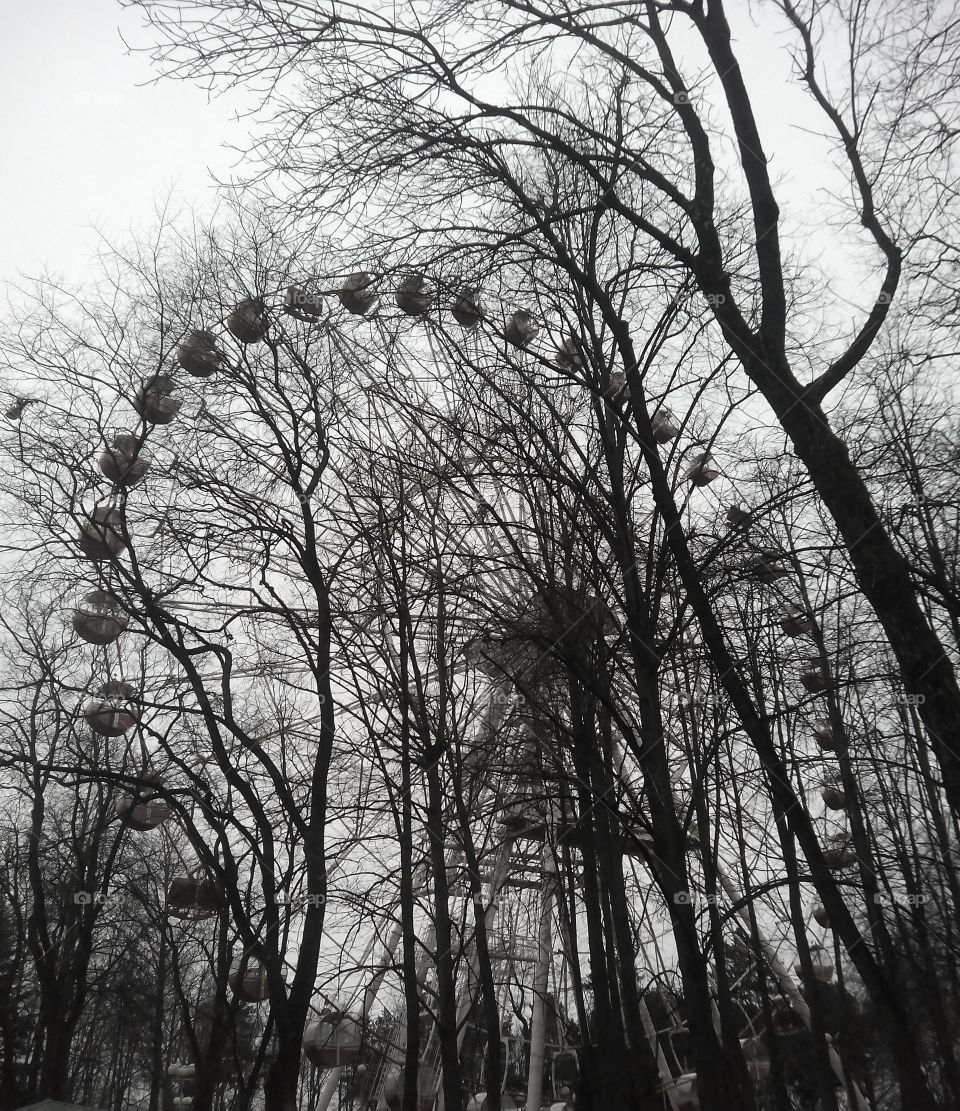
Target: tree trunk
[[915, 1091], [721, 1091], [882, 573], [884, 577], [280, 1083], [640, 1064]]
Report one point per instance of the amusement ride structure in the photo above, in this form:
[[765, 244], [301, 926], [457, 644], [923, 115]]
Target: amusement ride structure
[[530, 927]]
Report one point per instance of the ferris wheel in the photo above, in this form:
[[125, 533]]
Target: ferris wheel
[[528, 950]]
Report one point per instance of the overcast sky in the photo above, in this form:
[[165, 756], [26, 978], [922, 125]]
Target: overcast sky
[[89, 142], [85, 142]]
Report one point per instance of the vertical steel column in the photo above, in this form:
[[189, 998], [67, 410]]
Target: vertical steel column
[[538, 1026]]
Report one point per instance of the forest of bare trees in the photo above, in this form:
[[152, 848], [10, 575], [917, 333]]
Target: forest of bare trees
[[481, 610]]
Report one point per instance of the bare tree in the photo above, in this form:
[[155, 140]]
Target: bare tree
[[372, 517], [601, 96]]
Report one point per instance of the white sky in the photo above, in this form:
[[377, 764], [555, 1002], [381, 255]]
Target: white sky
[[89, 143], [83, 146]]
